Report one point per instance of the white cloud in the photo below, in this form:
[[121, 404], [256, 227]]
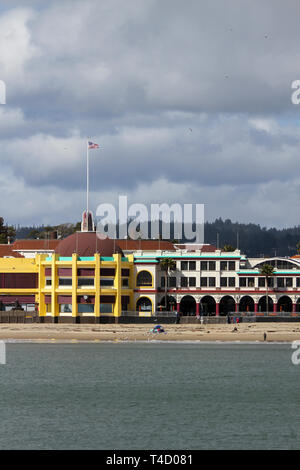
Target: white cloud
[[188, 102], [16, 48]]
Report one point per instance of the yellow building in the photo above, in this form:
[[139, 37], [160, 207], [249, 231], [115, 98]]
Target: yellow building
[[84, 280]]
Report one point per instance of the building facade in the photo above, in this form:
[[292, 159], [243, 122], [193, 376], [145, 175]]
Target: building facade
[[84, 278]]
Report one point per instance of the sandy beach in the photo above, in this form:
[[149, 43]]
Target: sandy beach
[[282, 332]]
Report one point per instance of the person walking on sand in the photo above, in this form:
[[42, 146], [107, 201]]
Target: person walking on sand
[[265, 336]]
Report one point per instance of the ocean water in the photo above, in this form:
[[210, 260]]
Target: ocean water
[[149, 396]]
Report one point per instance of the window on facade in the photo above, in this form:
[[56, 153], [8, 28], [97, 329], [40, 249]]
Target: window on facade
[[204, 265], [125, 282], [231, 265], [250, 281], [203, 282], [65, 308], [192, 265], [192, 281], [279, 264], [106, 308], [298, 282], [231, 282], [280, 282], [282, 264], [184, 265], [284, 282], [261, 282], [67, 281], [108, 272], [85, 281], [48, 308], [271, 282], [144, 278], [48, 282], [109, 282], [289, 282], [144, 304], [163, 282], [242, 281], [85, 308], [212, 281], [223, 265], [223, 282], [212, 265], [184, 282], [172, 281]]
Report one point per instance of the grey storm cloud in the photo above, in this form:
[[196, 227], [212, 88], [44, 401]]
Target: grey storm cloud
[[189, 99]]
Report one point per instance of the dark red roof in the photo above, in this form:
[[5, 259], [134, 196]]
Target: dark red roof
[[42, 244], [7, 250], [87, 244], [208, 248]]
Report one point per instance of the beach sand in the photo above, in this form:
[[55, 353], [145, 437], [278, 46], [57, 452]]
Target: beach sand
[[282, 332]]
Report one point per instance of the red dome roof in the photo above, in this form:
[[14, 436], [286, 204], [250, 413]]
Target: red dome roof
[[87, 244]]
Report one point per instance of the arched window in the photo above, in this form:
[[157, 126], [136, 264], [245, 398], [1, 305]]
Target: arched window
[[279, 264], [143, 279], [144, 305]]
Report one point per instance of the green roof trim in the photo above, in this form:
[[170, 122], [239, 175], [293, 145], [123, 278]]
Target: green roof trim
[[87, 258], [138, 257], [293, 271]]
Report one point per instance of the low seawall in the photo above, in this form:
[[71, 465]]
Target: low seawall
[[18, 316]]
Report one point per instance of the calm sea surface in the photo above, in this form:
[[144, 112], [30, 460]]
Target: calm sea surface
[[149, 396]]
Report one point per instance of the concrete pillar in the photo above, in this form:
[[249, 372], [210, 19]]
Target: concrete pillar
[[294, 307], [197, 308], [217, 309], [178, 306], [255, 307], [274, 307]]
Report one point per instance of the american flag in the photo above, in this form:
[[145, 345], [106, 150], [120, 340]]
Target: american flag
[[92, 145]]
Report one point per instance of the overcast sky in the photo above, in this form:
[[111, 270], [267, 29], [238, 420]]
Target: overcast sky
[[190, 102]]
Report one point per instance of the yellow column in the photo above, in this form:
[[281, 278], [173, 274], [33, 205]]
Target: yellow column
[[131, 282], [97, 285], [40, 298], [74, 285], [54, 286], [117, 285]]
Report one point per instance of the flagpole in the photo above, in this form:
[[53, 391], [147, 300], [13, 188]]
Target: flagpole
[[87, 180]]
